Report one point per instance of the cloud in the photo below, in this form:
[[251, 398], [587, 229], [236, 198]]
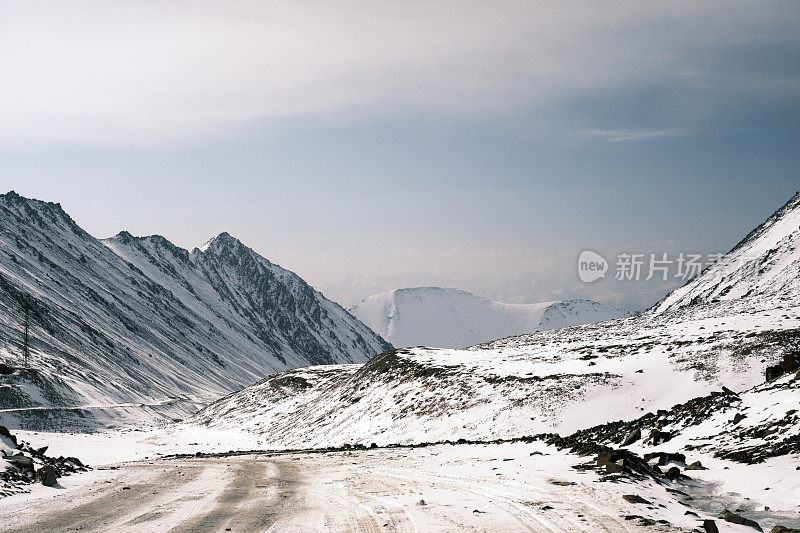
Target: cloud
[[624, 135], [153, 72]]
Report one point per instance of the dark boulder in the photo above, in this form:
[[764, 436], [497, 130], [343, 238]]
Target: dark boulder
[[47, 475], [76, 461], [790, 363], [734, 518], [665, 458], [21, 461], [784, 529], [697, 465], [635, 498], [709, 526], [7, 434], [632, 437], [659, 437], [673, 474]]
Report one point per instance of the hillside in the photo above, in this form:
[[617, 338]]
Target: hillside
[[451, 318], [534, 383], [764, 265], [138, 320]]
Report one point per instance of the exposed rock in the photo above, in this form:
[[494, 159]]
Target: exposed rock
[[709, 526], [697, 465], [47, 475], [659, 437], [635, 498], [5, 433], [632, 437], [21, 461], [76, 461], [784, 529], [790, 363], [674, 473], [734, 518], [665, 458]]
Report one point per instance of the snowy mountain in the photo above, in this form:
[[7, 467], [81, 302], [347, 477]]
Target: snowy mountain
[[137, 319], [560, 380], [763, 266], [452, 318]]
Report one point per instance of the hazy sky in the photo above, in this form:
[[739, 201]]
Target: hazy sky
[[455, 138]]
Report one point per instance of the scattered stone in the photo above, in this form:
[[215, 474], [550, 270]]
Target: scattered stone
[[421, 503], [734, 518], [126, 488], [634, 498]]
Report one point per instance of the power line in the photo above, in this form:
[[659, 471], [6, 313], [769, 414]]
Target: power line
[[25, 349]]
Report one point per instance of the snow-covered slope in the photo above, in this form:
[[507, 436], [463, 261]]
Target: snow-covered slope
[[140, 320], [452, 318], [559, 380], [764, 265]]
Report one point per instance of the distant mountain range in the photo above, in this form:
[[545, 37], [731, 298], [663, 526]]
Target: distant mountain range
[[559, 283], [451, 318], [138, 319]]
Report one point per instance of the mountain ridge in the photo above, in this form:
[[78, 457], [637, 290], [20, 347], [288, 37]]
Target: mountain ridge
[[139, 319]]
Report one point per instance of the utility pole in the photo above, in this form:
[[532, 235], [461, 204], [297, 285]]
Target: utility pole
[[25, 351]]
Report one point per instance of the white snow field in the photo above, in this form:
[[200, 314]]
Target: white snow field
[[450, 318]]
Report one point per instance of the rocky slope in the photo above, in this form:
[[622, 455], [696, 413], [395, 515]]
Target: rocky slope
[[452, 318], [130, 321]]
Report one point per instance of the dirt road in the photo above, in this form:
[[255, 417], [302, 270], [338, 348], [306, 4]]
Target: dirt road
[[367, 491]]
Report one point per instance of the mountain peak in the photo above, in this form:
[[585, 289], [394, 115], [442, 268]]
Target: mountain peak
[[38, 210], [12, 197], [224, 239], [764, 265]]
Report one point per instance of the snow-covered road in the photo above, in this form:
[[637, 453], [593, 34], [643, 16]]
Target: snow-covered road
[[508, 487]]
